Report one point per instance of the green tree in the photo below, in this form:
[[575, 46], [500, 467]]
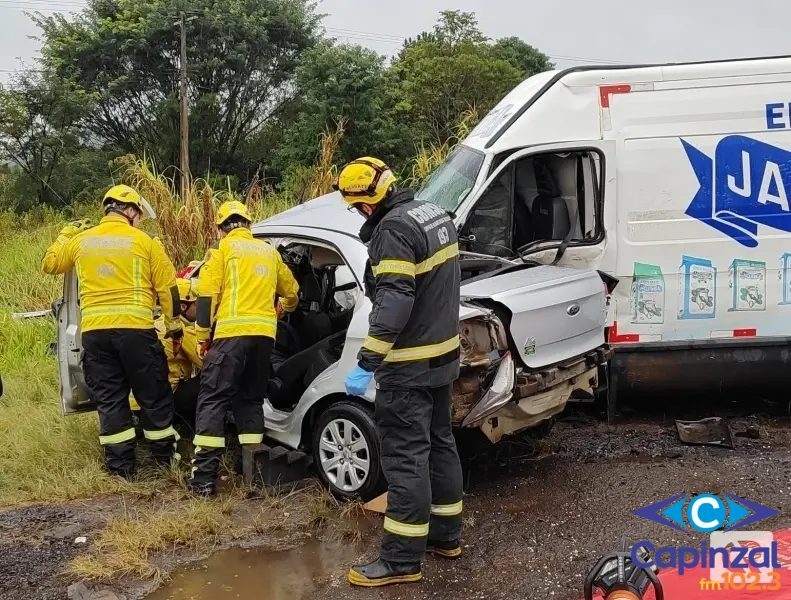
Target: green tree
[[343, 82], [41, 135], [125, 54], [522, 55], [444, 73]]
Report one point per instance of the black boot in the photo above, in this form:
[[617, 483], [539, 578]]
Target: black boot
[[202, 490], [381, 572], [444, 549]]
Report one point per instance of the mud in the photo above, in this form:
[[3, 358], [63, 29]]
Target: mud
[[37, 542], [259, 573], [533, 527]]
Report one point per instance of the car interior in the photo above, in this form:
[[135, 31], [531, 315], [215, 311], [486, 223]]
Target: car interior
[[311, 339], [541, 197]]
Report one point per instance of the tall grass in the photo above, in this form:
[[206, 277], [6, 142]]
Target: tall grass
[[428, 158]]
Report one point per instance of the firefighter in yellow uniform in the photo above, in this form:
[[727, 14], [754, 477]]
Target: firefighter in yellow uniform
[[122, 275], [183, 364], [235, 329]]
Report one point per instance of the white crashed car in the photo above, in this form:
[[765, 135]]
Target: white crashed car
[[531, 335]]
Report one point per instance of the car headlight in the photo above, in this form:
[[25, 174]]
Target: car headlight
[[500, 392]]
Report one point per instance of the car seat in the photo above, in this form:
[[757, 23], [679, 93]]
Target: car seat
[[551, 219], [290, 379]]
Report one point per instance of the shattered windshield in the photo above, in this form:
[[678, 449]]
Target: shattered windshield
[[449, 185]]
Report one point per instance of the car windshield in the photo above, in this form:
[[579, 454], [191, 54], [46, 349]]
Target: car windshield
[[449, 185]]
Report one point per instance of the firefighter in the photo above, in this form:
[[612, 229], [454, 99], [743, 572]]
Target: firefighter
[[122, 274], [412, 350], [235, 331], [183, 364]]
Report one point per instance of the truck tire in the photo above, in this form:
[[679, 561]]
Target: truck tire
[[346, 451]]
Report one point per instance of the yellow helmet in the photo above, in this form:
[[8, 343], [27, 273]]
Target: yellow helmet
[[230, 209], [365, 181], [185, 290], [128, 195]]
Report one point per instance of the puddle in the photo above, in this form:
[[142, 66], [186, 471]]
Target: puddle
[[258, 574]]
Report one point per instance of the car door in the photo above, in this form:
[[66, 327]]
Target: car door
[[487, 220], [74, 397]]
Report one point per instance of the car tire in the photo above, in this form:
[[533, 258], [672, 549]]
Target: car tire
[[351, 426]]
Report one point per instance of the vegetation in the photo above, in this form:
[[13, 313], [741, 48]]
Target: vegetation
[[265, 83], [275, 108]]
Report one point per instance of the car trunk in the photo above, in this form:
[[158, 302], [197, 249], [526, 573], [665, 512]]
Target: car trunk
[[553, 313]]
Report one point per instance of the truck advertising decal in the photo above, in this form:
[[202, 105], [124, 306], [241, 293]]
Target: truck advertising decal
[[745, 184], [698, 289], [648, 294], [748, 284]]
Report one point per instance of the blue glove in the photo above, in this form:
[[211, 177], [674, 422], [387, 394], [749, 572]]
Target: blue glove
[[357, 381]]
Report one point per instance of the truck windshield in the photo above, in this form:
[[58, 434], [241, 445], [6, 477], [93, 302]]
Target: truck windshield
[[449, 185]]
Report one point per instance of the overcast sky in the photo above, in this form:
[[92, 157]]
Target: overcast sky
[[571, 31]]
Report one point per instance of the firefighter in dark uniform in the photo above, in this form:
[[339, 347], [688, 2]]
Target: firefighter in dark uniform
[[412, 350]]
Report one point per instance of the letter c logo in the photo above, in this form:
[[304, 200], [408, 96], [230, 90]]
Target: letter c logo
[[706, 513]]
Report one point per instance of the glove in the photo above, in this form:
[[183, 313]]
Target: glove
[[203, 348], [357, 381], [76, 227], [279, 310], [177, 345]]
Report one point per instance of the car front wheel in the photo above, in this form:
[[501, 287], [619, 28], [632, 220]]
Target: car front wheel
[[346, 451]]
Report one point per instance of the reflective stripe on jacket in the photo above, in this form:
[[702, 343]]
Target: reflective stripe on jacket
[[237, 287], [122, 274], [413, 280]]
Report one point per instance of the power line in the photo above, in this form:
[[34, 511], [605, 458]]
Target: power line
[[335, 32]]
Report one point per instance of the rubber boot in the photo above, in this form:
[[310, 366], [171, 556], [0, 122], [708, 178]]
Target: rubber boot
[[444, 549], [381, 572], [202, 490]]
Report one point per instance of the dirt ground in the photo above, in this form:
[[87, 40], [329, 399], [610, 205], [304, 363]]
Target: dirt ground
[[534, 526]]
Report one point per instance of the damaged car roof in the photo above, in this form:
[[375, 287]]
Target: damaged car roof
[[325, 212]]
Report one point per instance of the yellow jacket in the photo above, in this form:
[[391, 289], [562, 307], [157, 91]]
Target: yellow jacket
[[122, 273], [182, 365], [237, 287]]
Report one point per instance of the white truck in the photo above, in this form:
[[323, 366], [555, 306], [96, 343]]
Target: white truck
[[673, 178]]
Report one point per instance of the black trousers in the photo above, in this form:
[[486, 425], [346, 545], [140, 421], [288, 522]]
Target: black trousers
[[115, 362], [234, 375], [185, 401], [421, 464]]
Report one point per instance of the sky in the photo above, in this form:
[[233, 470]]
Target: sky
[[570, 31]]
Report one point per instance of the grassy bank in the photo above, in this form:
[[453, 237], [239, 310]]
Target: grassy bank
[[45, 457]]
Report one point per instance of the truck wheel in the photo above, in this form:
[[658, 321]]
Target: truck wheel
[[346, 451]]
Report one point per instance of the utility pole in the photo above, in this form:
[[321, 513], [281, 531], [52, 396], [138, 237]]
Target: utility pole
[[184, 125]]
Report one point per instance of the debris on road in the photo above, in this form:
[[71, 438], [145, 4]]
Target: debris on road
[[752, 433], [33, 314], [713, 431], [377, 505]]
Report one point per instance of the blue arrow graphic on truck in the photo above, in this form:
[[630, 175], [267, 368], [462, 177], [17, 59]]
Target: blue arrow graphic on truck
[[746, 184]]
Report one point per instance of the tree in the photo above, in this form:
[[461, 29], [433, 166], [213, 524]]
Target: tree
[[522, 55], [344, 83], [241, 58], [442, 74], [40, 127]]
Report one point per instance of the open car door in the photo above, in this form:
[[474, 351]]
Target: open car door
[[74, 396]]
